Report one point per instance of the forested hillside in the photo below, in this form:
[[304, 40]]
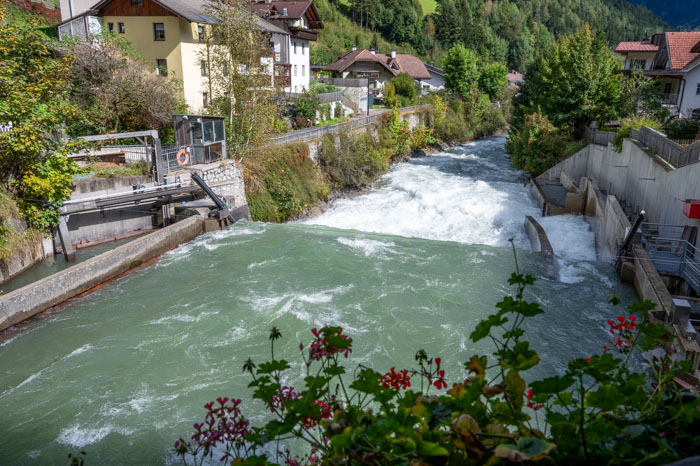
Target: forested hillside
[[507, 31], [683, 14]]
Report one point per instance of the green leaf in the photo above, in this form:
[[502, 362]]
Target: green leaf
[[484, 327], [270, 367], [367, 381], [521, 357], [533, 448], [515, 388], [431, 449], [334, 370], [552, 384], [607, 397]]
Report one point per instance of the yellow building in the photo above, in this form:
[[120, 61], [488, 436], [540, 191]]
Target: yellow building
[[167, 34]]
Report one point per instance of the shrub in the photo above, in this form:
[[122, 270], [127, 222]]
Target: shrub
[[405, 86], [281, 182], [538, 145], [597, 411], [629, 123], [306, 106], [353, 161], [683, 129]]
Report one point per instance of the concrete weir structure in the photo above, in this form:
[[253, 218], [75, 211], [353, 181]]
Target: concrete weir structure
[[32, 299], [540, 243]]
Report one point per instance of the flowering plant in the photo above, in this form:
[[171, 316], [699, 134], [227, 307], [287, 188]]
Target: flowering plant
[[598, 411]]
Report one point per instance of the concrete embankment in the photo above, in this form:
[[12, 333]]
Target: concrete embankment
[[55, 289], [540, 243]]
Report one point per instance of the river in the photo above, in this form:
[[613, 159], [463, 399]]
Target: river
[[414, 263]]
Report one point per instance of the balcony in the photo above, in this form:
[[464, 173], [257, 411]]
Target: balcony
[[669, 99], [283, 75]]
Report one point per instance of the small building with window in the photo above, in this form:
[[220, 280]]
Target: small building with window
[[202, 136]]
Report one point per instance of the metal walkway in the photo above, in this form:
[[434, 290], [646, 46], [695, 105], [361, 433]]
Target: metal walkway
[[671, 250]]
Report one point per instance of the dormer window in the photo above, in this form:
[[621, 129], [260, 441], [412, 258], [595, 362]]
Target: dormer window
[[284, 12]]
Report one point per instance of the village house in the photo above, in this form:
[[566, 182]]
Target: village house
[[673, 58], [378, 68], [436, 81], [169, 34]]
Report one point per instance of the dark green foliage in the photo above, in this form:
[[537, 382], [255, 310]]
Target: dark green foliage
[[461, 70], [493, 78], [306, 106], [537, 145], [405, 86], [683, 129]]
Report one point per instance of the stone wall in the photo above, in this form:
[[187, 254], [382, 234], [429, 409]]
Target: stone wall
[[226, 180]]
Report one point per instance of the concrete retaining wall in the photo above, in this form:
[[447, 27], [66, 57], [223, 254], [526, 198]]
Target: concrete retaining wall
[[107, 185], [540, 243], [30, 254], [55, 289], [637, 177]]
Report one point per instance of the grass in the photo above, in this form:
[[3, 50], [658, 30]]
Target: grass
[[428, 6], [98, 170], [332, 121]]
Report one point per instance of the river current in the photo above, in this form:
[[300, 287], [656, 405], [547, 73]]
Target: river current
[[414, 263]]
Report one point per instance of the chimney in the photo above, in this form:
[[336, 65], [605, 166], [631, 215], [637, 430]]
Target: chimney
[[354, 47], [393, 53], [372, 51], [284, 12]]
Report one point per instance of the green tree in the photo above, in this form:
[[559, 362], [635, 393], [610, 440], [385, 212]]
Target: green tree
[[492, 78], [34, 88], [461, 70], [405, 86], [240, 85], [574, 83]]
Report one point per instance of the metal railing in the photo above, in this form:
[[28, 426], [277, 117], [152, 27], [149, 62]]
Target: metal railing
[[596, 136], [671, 253], [311, 134], [132, 153], [675, 154]]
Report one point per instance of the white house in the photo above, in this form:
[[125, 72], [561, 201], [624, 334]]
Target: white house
[[436, 81], [73, 8], [300, 20], [675, 63]]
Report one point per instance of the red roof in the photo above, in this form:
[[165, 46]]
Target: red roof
[[403, 63], [680, 45], [642, 46]]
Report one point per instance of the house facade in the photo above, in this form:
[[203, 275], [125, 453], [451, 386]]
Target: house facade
[[673, 58], [300, 20], [436, 80], [170, 35], [378, 68]]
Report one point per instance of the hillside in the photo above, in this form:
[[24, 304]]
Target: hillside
[[507, 31], [683, 14]]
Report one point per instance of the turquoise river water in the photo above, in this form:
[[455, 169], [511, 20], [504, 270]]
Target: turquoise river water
[[414, 263]]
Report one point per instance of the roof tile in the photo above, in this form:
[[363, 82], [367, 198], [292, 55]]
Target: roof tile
[[680, 45], [642, 46]]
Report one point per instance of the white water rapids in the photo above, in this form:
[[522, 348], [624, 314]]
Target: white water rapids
[[471, 194]]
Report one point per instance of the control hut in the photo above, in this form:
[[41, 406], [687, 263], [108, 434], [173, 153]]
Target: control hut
[[202, 136]]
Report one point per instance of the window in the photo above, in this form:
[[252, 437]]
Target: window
[[110, 27], [161, 67], [203, 68], [639, 64], [295, 70], [697, 90], [201, 33], [205, 99], [302, 69], [302, 48], [667, 88], [284, 12], [136, 2], [295, 47], [122, 29], [158, 31]]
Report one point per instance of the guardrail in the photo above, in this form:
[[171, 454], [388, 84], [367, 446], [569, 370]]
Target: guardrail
[[675, 154], [596, 136], [311, 134]]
